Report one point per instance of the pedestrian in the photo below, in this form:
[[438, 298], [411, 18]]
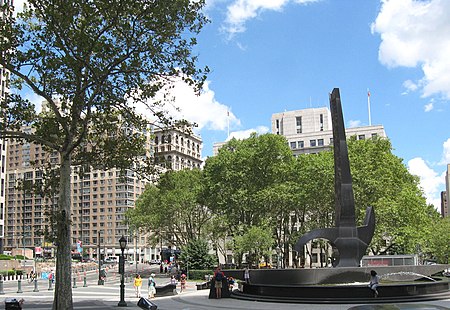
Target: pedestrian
[[151, 286], [183, 282], [138, 285], [218, 279], [173, 280], [247, 275], [374, 282]]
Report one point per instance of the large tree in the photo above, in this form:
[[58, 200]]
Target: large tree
[[172, 209], [92, 61], [381, 180], [236, 177]]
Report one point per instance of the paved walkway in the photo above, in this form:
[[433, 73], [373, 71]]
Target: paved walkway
[[97, 297]]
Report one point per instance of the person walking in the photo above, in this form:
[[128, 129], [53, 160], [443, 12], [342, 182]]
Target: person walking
[[374, 282], [138, 285], [151, 286], [183, 282]]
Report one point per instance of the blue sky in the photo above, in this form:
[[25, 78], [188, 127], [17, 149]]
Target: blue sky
[[268, 56]]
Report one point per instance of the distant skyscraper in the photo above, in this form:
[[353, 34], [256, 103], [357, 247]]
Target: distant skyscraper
[[445, 195]]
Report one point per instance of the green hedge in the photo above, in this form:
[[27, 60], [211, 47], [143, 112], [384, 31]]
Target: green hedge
[[11, 272], [199, 274], [5, 257]]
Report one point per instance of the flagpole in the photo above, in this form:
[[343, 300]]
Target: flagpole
[[368, 106], [228, 124]]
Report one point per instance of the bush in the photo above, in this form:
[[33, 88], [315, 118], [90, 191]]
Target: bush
[[5, 257], [199, 274]]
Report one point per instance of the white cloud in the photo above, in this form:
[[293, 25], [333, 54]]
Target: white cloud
[[354, 123], [415, 33], [410, 86], [430, 181], [244, 134], [203, 109], [428, 107], [240, 11], [446, 153]]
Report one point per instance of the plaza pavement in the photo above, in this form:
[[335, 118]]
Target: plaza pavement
[[102, 297]]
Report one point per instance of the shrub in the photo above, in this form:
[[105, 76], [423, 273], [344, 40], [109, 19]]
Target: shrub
[[199, 274], [5, 257]]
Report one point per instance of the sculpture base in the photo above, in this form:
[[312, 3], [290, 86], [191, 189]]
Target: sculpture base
[[343, 285]]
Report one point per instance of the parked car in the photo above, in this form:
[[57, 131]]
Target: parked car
[[155, 262]]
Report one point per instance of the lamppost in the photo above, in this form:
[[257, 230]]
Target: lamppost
[[99, 256], [123, 245]]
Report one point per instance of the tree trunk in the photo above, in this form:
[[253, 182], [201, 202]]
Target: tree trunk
[[63, 289]]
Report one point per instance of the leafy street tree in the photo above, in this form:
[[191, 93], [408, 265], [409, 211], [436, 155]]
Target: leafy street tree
[[92, 62], [237, 175], [314, 174], [195, 255], [247, 184], [257, 242], [437, 245], [172, 209], [381, 180]]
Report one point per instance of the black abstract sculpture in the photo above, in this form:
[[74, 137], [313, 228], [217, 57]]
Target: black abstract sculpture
[[349, 240]]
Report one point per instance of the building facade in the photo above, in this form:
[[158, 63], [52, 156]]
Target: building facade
[[178, 149], [100, 199], [310, 130], [445, 194]]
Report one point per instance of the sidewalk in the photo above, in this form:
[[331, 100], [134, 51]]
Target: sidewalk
[[107, 297]]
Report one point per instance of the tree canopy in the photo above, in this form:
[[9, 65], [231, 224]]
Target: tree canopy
[[172, 209], [93, 62], [257, 185]]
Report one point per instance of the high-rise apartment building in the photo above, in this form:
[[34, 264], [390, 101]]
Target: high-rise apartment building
[[100, 199], [6, 9]]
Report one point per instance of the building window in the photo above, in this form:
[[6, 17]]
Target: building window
[[361, 137], [293, 145], [301, 144], [312, 142], [298, 122], [374, 135], [321, 123], [320, 142]]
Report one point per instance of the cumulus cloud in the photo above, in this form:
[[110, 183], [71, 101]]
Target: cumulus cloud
[[430, 181], [415, 33], [428, 107], [202, 109], [410, 86], [446, 153], [244, 134], [354, 123], [240, 11]]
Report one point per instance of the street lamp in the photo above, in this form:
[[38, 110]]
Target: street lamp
[[123, 245], [100, 280]]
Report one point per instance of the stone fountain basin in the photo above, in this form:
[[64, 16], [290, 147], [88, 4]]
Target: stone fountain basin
[[316, 276]]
